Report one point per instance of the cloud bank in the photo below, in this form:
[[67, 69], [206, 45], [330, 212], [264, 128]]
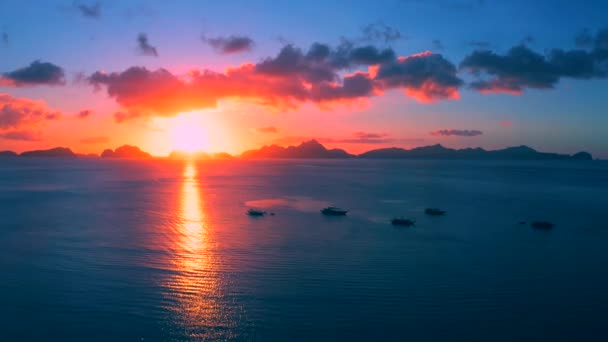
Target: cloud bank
[[37, 73], [457, 132], [19, 113], [292, 77], [231, 44]]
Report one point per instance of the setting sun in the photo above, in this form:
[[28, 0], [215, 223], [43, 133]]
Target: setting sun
[[188, 134]]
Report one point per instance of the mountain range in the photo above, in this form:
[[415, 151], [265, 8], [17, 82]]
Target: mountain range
[[312, 149]]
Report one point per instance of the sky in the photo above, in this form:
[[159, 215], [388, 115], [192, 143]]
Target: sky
[[234, 75]]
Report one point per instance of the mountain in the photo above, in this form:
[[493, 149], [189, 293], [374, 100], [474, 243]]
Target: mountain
[[53, 152], [7, 154], [126, 151], [307, 149], [440, 152]]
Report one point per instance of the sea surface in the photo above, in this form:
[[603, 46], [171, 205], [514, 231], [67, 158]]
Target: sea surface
[[118, 250]]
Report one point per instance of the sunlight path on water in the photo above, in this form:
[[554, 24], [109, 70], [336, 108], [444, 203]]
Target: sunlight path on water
[[196, 284]]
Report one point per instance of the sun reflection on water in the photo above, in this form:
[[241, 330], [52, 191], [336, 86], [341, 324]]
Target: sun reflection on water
[[195, 286]]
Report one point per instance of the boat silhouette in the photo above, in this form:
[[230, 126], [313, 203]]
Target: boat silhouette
[[334, 211]]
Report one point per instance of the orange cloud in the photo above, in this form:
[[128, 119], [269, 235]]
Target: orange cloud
[[284, 82], [16, 113]]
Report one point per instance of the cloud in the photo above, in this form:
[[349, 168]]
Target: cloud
[[21, 135], [144, 47], [522, 68], [285, 81], [123, 116], [16, 113], [268, 129], [457, 132], [367, 135], [380, 32], [89, 11], [85, 113], [357, 138], [37, 73], [231, 44], [5, 38], [95, 140], [427, 77]]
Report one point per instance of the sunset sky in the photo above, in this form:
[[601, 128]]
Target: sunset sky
[[235, 75]]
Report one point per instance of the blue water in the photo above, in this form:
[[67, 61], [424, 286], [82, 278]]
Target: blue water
[[102, 250]]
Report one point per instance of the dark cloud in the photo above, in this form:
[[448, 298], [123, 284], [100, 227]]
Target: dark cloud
[[5, 38], [144, 47], [292, 77], [427, 77], [367, 135], [16, 113], [522, 68], [85, 113], [353, 86], [268, 129], [37, 73], [95, 140], [380, 32], [90, 11], [457, 132], [21, 135], [231, 44]]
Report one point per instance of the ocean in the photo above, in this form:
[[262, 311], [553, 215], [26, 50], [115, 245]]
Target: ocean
[[159, 250]]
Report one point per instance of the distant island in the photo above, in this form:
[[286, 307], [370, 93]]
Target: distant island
[[312, 149], [126, 151], [54, 152], [307, 149]]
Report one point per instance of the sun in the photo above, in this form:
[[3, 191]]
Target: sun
[[187, 133]]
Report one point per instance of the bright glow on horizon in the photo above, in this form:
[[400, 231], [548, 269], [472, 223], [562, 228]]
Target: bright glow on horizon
[[187, 133]]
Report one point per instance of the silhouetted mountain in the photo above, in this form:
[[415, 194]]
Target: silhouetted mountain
[[126, 151], [7, 154], [307, 149], [53, 152], [222, 155], [440, 152]]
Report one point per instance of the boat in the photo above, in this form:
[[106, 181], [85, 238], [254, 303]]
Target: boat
[[542, 225], [255, 212], [400, 221], [434, 211], [333, 211]]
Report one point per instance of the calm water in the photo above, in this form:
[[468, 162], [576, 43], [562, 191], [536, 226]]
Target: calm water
[[98, 250]]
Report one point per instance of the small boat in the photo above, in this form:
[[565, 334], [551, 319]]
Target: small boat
[[400, 221], [255, 212], [434, 211], [334, 211], [542, 225]]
